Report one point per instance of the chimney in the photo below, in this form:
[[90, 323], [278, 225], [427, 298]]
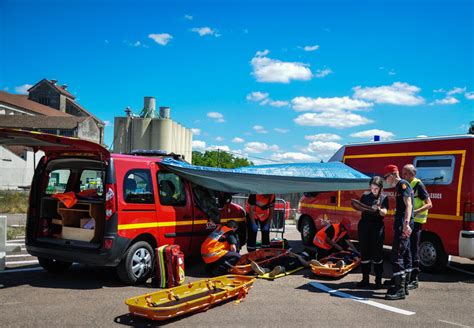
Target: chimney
[[53, 81], [64, 86]]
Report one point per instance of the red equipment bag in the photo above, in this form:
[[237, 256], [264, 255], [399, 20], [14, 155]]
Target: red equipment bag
[[170, 266]]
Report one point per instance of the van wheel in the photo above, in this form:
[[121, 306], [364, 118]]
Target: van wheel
[[308, 230], [433, 258], [53, 265], [137, 263]]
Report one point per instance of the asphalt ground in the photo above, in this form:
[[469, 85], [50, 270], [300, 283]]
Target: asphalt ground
[[87, 296]]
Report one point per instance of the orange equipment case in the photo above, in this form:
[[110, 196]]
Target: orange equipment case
[[331, 270]]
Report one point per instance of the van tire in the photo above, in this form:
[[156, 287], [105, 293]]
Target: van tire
[[53, 266], [433, 257], [140, 255], [308, 230]]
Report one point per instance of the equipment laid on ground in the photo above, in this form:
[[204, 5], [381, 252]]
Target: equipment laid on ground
[[169, 266], [288, 271], [262, 256], [193, 297], [336, 265]]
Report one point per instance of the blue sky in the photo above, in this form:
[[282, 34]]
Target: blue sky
[[282, 80]]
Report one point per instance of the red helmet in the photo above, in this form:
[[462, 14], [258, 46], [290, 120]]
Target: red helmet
[[346, 222]]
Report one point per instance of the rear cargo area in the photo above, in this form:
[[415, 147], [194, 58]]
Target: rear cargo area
[[72, 204]]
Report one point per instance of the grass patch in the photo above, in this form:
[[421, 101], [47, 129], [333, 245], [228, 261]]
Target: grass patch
[[13, 202], [14, 232]]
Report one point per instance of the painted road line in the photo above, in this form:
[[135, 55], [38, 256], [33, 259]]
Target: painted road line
[[457, 269], [454, 324], [21, 270], [335, 292]]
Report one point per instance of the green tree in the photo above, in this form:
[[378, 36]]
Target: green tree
[[219, 158]]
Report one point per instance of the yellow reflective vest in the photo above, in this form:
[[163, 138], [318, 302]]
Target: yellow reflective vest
[[422, 216]]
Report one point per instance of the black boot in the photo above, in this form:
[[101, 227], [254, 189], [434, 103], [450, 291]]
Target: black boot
[[396, 292], [413, 284], [364, 282], [378, 282], [389, 283], [407, 281]]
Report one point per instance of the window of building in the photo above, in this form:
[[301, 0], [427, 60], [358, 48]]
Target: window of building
[[92, 180], [435, 169], [50, 131], [138, 187], [44, 101], [57, 181], [171, 189], [67, 133]]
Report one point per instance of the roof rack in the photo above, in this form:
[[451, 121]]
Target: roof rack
[[156, 153]]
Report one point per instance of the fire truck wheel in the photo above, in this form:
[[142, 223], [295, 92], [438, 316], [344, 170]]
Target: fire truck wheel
[[53, 265], [433, 258], [308, 230], [137, 263]]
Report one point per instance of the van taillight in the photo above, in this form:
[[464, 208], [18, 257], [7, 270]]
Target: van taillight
[[110, 201], [108, 243], [468, 222]]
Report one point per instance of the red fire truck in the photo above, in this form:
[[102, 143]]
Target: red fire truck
[[444, 164]]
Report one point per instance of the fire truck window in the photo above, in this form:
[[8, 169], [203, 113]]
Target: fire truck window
[[137, 187], [57, 181], [435, 170], [91, 183], [171, 189]]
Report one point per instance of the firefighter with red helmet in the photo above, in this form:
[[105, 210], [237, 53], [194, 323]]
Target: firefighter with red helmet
[[402, 228], [333, 238]]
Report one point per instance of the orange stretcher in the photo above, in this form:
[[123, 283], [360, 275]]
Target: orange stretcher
[[329, 266], [192, 297], [262, 256]]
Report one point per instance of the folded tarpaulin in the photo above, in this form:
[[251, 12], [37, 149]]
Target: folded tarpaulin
[[275, 178]]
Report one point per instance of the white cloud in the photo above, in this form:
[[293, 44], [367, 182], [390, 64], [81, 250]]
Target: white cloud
[[279, 130], [257, 96], [196, 131], [262, 53], [323, 150], [215, 147], [238, 140], [218, 117], [440, 90], [259, 147], [398, 93], [448, 100], [23, 89], [219, 139], [278, 103], [272, 70], [311, 48], [369, 134], [323, 104], [188, 17], [107, 123], [323, 72], [422, 136], [199, 145], [203, 31], [336, 119], [392, 72], [162, 39], [455, 91], [323, 137], [259, 129], [469, 95], [293, 157]]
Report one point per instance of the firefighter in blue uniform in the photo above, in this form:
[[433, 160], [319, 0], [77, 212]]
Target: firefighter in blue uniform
[[402, 228]]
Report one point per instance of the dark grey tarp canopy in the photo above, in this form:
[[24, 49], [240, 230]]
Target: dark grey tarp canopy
[[272, 179]]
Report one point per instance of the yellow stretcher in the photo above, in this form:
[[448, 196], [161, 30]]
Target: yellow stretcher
[[262, 256], [192, 297], [329, 266]]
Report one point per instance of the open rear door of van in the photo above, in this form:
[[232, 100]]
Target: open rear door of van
[[53, 145]]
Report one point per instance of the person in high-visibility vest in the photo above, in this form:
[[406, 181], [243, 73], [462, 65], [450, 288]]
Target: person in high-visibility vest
[[422, 203], [220, 249], [260, 212], [333, 238]]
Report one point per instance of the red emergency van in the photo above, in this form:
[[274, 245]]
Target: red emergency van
[[115, 209], [444, 164]]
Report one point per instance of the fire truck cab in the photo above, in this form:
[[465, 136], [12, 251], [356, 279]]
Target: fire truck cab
[[444, 164], [136, 206]]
